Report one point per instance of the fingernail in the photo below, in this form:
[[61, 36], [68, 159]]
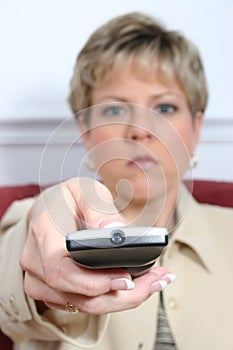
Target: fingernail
[[170, 276], [122, 284], [158, 286], [114, 224]]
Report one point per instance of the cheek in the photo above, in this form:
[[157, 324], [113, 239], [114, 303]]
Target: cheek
[[187, 135], [183, 136], [96, 137], [101, 134], [176, 148], [184, 149]]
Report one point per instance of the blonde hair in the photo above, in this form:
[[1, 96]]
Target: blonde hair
[[138, 38]]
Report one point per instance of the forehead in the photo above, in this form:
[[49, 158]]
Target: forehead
[[135, 81]]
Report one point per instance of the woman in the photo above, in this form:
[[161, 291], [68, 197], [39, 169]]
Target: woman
[[148, 89]]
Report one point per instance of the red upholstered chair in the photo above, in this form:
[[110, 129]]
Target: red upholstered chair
[[212, 192]]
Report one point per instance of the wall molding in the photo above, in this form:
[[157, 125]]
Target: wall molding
[[37, 131]]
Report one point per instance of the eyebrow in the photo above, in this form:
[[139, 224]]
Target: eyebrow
[[155, 96]]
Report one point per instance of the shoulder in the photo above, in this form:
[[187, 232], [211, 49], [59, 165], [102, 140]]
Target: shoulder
[[217, 223], [203, 223], [216, 215], [16, 211], [197, 212]]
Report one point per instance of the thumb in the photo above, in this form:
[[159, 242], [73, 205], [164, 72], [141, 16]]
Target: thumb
[[94, 203]]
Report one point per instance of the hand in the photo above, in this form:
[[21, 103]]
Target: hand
[[51, 276]]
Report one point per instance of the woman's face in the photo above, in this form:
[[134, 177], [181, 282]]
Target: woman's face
[[140, 135]]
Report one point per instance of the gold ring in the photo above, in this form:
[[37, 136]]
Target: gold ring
[[71, 308]]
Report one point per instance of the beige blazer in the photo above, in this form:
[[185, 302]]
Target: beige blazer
[[199, 303]]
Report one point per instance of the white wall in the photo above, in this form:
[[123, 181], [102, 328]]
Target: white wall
[[39, 44]]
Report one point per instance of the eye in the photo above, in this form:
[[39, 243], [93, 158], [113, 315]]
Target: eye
[[114, 111], [166, 109]]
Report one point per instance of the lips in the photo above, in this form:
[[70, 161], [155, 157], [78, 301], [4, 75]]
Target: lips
[[143, 162]]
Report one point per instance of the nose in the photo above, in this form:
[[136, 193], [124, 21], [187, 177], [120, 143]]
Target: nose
[[140, 125], [138, 133]]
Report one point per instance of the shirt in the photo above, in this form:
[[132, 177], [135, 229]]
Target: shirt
[[199, 304]]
